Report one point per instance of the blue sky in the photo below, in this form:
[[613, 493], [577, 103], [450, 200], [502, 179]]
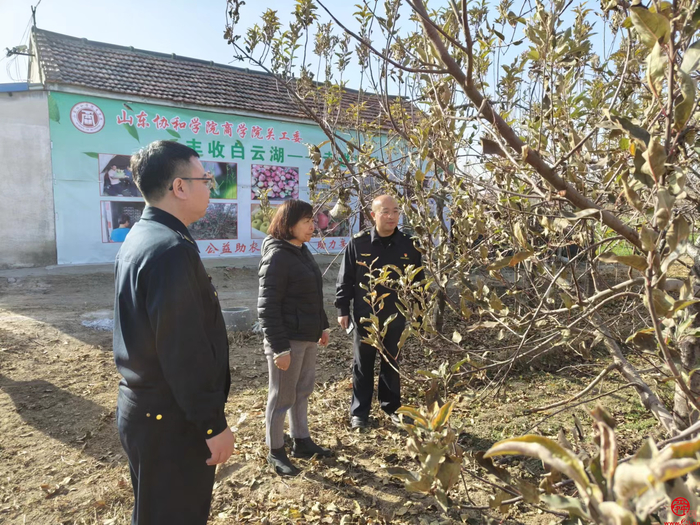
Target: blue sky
[[183, 27]]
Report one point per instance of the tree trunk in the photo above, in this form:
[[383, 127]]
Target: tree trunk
[[684, 411], [439, 312]]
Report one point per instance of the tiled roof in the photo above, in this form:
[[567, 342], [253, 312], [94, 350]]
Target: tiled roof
[[78, 62]]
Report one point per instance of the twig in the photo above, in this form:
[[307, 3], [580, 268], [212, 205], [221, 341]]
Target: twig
[[608, 369], [575, 405]]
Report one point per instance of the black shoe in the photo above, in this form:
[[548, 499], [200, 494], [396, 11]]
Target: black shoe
[[278, 459], [359, 422], [306, 448]]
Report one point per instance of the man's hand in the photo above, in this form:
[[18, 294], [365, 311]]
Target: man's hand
[[344, 321], [221, 447], [282, 362], [325, 336]]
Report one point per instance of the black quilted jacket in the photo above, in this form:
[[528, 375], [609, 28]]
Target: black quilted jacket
[[290, 298]]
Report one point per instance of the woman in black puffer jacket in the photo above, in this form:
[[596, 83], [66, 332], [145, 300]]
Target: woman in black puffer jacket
[[294, 323]]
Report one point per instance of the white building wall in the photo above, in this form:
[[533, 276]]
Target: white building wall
[[27, 226]]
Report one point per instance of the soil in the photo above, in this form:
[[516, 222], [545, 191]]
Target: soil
[[61, 461]]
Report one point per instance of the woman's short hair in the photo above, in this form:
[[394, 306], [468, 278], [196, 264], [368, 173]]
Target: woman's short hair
[[286, 216]]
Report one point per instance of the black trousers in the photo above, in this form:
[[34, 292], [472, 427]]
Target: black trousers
[[167, 458], [364, 355]]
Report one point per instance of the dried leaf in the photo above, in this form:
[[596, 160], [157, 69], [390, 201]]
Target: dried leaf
[[448, 474], [651, 27], [643, 339], [655, 157], [520, 257], [635, 261], [656, 68], [442, 416], [548, 452], [684, 108], [632, 196], [571, 505], [490, 147], [649, 238], [691, 58]]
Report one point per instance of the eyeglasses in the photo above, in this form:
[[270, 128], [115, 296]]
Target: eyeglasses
[[211, 182]]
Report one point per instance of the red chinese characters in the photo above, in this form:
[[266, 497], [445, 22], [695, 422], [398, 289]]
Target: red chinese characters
[[321, 245], [226, 248], [256, 132], [142, 120], [195, 125], [270, 134], [342, 243], [254, 247], [242, 130], [125, 119], [227, 128], [161, 122], [177, 124], [284, 136], [332, 244], [240, 248], [296, 137], [211, 128], [211, 249]]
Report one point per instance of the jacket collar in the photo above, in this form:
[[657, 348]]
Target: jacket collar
[[151, 213], [271, 243], [375, 236]]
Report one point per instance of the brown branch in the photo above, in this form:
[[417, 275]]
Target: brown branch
[[369, 46], [628, 385], [669, 103], [650, 400], [582, 393], [599, 296], [660, 336], [532, 157]]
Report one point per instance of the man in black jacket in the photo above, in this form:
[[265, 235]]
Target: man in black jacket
[[383, 245], [170, 345]]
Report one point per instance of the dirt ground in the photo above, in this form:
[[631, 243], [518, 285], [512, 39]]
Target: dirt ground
[[61, 461]]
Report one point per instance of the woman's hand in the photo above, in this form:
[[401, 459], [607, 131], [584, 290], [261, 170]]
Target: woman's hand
[[283, 361], [325, 336]]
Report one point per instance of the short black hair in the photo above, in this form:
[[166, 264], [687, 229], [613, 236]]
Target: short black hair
[[286, 216], [155, 166], [123, 219]]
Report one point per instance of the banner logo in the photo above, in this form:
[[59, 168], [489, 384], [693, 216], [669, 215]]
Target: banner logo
[[87, 117]]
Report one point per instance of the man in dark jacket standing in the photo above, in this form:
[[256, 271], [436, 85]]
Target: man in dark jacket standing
[[383, 245], [170, 345]]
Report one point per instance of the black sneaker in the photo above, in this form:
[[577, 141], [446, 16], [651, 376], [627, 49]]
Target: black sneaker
[[306, 448], [277, 458], [359, 422]]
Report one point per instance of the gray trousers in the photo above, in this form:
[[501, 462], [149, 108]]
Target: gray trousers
[[289, 391]]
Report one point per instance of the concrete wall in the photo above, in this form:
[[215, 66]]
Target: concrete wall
[[27, 230]]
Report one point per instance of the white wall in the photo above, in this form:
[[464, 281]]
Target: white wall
[[27, 230]]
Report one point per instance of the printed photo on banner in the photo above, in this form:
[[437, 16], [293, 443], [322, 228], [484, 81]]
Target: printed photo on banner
[[260, 220], [226, 176], [220, 222], [281, 182], [118, 217], [115, 176]]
